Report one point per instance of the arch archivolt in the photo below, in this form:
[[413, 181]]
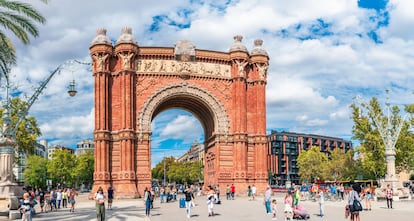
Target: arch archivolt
[[220, 117]]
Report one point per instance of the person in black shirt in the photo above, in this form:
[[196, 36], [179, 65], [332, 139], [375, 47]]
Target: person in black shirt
[[41, 199], [110, 197], [189, 196]]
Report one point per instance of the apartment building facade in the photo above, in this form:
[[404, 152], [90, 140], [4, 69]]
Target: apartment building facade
[[285, 147]]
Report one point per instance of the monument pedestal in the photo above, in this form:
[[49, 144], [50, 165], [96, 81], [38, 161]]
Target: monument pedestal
[[399, 192]]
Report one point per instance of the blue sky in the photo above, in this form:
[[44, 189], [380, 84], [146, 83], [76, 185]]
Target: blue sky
[[322, 54]]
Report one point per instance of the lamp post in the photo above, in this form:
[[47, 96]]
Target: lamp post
[[8, 187], [389, 132]]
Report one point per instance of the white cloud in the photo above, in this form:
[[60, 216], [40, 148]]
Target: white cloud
[[312, 77], [183, 127]]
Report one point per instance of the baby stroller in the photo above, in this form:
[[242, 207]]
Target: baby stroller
[[300, 213]]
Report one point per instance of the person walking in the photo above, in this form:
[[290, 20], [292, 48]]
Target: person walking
[[25, 208], [368, 197], [321, 200], [274, 209], [249, 192], [71, 199], [341, 190], [211, 197], [189, 196], [233, 191], [64, 199], [267, 200], [288, 207], [41, 199], [388, 195], [218, 192], [100, 204], [354, 195], [147, 201], [254, 192], [227, 192], [59, 198], [110, 197]]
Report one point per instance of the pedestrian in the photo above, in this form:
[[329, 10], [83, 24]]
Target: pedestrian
[[100, 204], [296, 197], [341, 190], [147, 201], [59, 198], [321, 201], [254, 192], [227, 192], [162, 193], [218, 192], [53, 196], [274, 209], [211, 197], [267, 200], [368, 197], [71, 199], [304, 189], [288, 206], [249, 192], [110, 197], [354, 195], [25, 208], [64, 199], [233, 191], [189, 196], [153, 196], [388, 195], [41, 199]]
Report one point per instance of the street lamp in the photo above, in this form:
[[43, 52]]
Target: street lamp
[[389, 132], [8, 186]]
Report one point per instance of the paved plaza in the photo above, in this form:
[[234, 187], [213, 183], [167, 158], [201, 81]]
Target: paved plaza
[[239, 209]]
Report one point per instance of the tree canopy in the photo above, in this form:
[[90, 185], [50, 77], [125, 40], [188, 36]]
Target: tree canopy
[[179, 172], [371, 152], [27, 130]]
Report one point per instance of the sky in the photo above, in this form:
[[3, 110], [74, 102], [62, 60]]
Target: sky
[[322, 54]]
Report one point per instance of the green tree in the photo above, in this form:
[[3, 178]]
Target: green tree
[[341, 166], [20, 19], [35, 173], [312, 164], [185, 172], [83, 171], [158, 171], [27, 131], [371, 152], [61, 166]]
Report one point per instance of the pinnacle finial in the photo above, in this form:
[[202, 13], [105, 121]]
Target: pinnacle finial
[[238, 38]]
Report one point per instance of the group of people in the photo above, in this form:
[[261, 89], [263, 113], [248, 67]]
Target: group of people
[[48, 201]]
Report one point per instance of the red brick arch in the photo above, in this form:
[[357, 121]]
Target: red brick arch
[[224, 90]]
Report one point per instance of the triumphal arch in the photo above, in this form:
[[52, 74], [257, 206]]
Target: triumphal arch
[[224, 90]]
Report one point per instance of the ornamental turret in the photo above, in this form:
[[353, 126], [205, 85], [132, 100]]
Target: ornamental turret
[[126, 49]]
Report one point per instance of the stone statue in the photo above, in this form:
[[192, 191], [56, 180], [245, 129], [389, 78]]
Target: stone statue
[[241, 65], [101, 61], [126, 58], [262, 70]]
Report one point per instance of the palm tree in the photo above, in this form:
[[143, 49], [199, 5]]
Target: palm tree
[[18, 18]]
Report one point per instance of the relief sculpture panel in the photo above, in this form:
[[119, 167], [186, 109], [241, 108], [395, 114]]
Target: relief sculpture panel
[[174, 67]]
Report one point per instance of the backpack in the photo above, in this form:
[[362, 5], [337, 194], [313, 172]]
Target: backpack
[[355, 206], [150, 196]]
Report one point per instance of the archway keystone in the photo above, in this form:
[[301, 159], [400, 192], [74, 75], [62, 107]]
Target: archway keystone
[[224, 90]]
